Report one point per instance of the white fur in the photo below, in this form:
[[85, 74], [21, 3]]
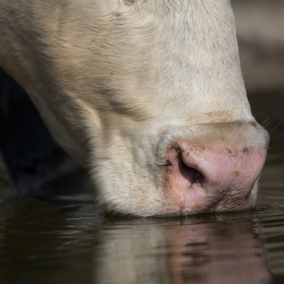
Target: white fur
[[117, 81]]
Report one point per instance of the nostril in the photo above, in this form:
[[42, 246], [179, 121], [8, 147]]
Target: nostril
[[190, 173]]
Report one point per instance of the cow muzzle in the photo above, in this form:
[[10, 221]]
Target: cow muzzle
[[214, 177]]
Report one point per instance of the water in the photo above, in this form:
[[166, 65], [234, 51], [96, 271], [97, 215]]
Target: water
[[64, 240]]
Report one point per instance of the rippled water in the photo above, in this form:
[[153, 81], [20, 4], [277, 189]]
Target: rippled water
[[64, 240]]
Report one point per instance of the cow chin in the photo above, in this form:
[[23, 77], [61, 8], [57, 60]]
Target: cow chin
[[180, 171]]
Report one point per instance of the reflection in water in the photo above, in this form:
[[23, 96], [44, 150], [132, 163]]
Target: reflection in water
[[271, 220], [209, 249], [225, 251], [48, 241]]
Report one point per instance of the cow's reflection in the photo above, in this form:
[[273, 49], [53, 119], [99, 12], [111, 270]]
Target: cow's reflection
[[208, 249], [44, 243], [226, 251]]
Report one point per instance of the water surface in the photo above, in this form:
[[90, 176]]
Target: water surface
[[63, 239]]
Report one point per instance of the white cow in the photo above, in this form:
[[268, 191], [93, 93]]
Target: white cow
[[147, 95]]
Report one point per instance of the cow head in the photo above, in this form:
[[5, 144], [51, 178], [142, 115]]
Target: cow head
[[149, 95]]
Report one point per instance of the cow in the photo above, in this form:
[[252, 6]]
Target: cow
[[147, 95]]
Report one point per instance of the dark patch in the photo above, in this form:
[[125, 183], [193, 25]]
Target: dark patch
[[214, 183], [222, 191], [30, 153], [168, 163], [236, 173], [196, 207], [129, 2], [245, 150], [253, 123], [118, 14]]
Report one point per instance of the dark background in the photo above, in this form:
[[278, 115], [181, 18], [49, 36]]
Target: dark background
[[260, 30]]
